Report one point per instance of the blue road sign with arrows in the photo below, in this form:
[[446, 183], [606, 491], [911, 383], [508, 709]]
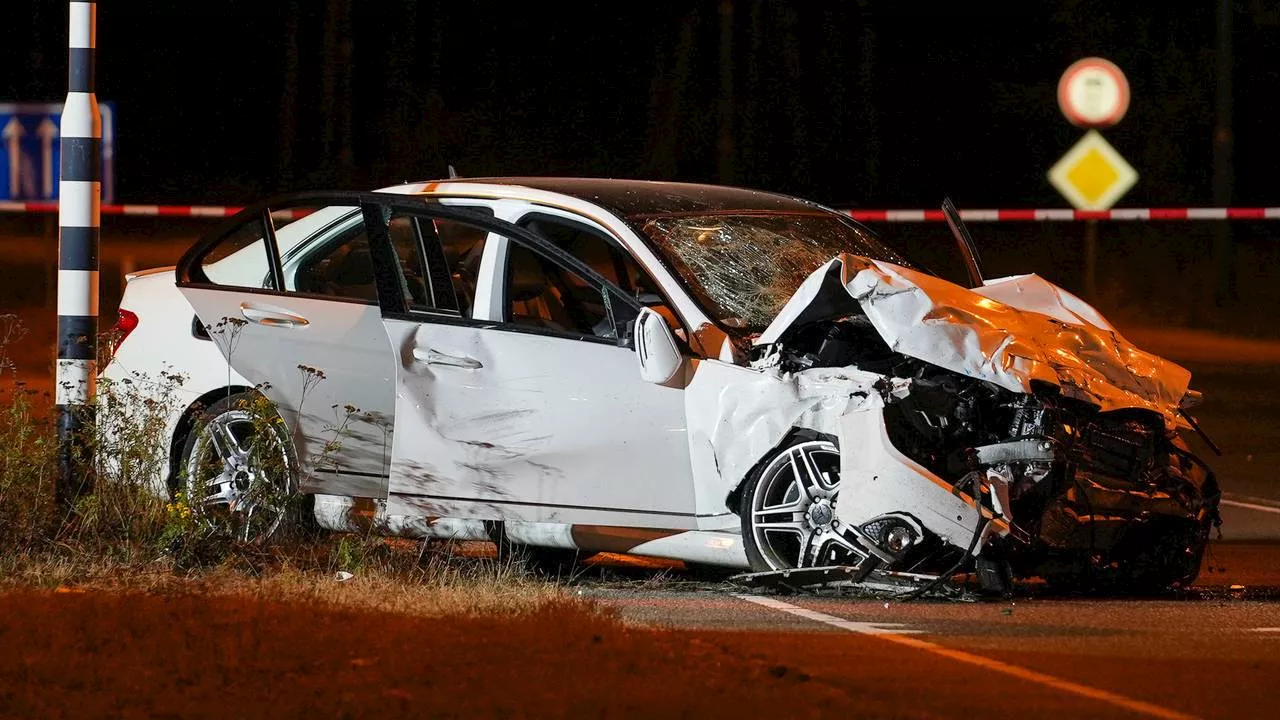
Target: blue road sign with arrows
[[30, 153]]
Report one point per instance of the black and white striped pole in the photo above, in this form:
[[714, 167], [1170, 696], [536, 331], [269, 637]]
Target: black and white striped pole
[[79, 215]]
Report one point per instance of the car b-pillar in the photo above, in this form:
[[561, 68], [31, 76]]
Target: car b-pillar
[[79, 216]]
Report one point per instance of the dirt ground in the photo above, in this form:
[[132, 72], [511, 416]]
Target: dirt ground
[[94, 654], [121, 655]]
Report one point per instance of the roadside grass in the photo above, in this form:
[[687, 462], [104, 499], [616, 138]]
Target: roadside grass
[[126, 536], [404, 577]]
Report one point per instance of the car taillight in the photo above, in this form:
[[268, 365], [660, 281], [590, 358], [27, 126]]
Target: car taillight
[[126, 321]]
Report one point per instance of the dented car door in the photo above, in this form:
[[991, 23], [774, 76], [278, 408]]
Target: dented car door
[[515, 399], [287, 294]]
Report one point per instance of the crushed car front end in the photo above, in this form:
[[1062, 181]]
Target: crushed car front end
[[896, 423], [1035, 438]]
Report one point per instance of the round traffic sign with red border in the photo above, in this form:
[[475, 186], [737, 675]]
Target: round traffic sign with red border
[[1093, 93]]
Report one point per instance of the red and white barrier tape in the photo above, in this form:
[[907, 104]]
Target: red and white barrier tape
[[1235, 213], [193, 211], [892, 216], [211, 211]]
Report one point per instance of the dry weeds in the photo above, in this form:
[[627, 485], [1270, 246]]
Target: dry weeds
[[411, 578], [124, 538]]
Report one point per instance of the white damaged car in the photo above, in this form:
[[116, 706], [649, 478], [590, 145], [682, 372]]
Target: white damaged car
[[715, 375]]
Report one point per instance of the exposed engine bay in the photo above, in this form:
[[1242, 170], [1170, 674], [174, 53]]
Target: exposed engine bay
[[1005, 427], [1093, 500]]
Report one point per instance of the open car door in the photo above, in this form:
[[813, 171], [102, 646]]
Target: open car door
[[287, 293]]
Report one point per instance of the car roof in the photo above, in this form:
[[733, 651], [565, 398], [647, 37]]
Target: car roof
[[642, 198]]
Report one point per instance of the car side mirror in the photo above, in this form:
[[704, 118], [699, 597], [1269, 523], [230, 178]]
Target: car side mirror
[[656, 348]]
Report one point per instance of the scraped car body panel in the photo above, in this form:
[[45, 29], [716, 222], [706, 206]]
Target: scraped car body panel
[[1011, 332]]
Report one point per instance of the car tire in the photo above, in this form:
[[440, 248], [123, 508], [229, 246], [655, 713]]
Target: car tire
[[237, 472], [780, 519]]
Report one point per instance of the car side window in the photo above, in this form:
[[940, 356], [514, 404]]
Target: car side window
[[606, 257], [305, 247], [539, 293], [415, 282], [240, 258], [337, 263], [439, 261], [593, 249]]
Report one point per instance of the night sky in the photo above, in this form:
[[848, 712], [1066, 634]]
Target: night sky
[[850, 103]]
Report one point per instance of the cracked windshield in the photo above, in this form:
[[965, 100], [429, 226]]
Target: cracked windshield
[[744, 267]]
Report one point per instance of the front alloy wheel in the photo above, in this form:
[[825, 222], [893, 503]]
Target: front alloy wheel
[[789, 510], [238, 469]]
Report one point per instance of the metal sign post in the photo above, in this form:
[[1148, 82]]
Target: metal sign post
[[1093, 93], [79, 209]]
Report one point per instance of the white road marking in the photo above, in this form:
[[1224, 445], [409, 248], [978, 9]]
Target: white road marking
[[1250, 506], [1266, 630], [850, 625], [897, 633]]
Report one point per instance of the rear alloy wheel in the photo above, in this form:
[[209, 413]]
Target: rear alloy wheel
[[789, 510], [238, 469]]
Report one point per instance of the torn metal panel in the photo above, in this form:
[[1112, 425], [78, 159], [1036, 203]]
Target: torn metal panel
[[800, 577], [1035, 294], [882, 481], [1010, 333], [849, 579], [754, 411], [1037, 450], [741, 414]]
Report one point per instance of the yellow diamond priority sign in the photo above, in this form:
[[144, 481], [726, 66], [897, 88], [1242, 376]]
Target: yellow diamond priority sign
[[1092, 175]]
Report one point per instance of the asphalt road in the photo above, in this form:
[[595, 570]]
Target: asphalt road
[[1213, 652], [1241, 414]]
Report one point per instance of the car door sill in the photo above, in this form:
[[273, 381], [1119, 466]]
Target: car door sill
[[523, 503]]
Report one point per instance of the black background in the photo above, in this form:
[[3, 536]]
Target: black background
[[867, 104]]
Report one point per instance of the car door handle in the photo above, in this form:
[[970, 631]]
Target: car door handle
[[271, 318], [431, 357]]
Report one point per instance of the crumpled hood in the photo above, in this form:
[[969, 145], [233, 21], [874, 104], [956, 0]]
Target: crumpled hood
[[1010, 332]]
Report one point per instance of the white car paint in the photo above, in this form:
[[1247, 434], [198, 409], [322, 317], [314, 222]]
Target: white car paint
[[512, 425], [278, 337], [555, 436], [1011, 332]]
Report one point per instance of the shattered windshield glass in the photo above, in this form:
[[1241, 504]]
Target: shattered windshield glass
[[743, 267]]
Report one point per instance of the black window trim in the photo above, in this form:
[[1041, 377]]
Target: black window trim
[[486, 221], [432, 254], [617, 245], [302, 248], [378, 208]]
